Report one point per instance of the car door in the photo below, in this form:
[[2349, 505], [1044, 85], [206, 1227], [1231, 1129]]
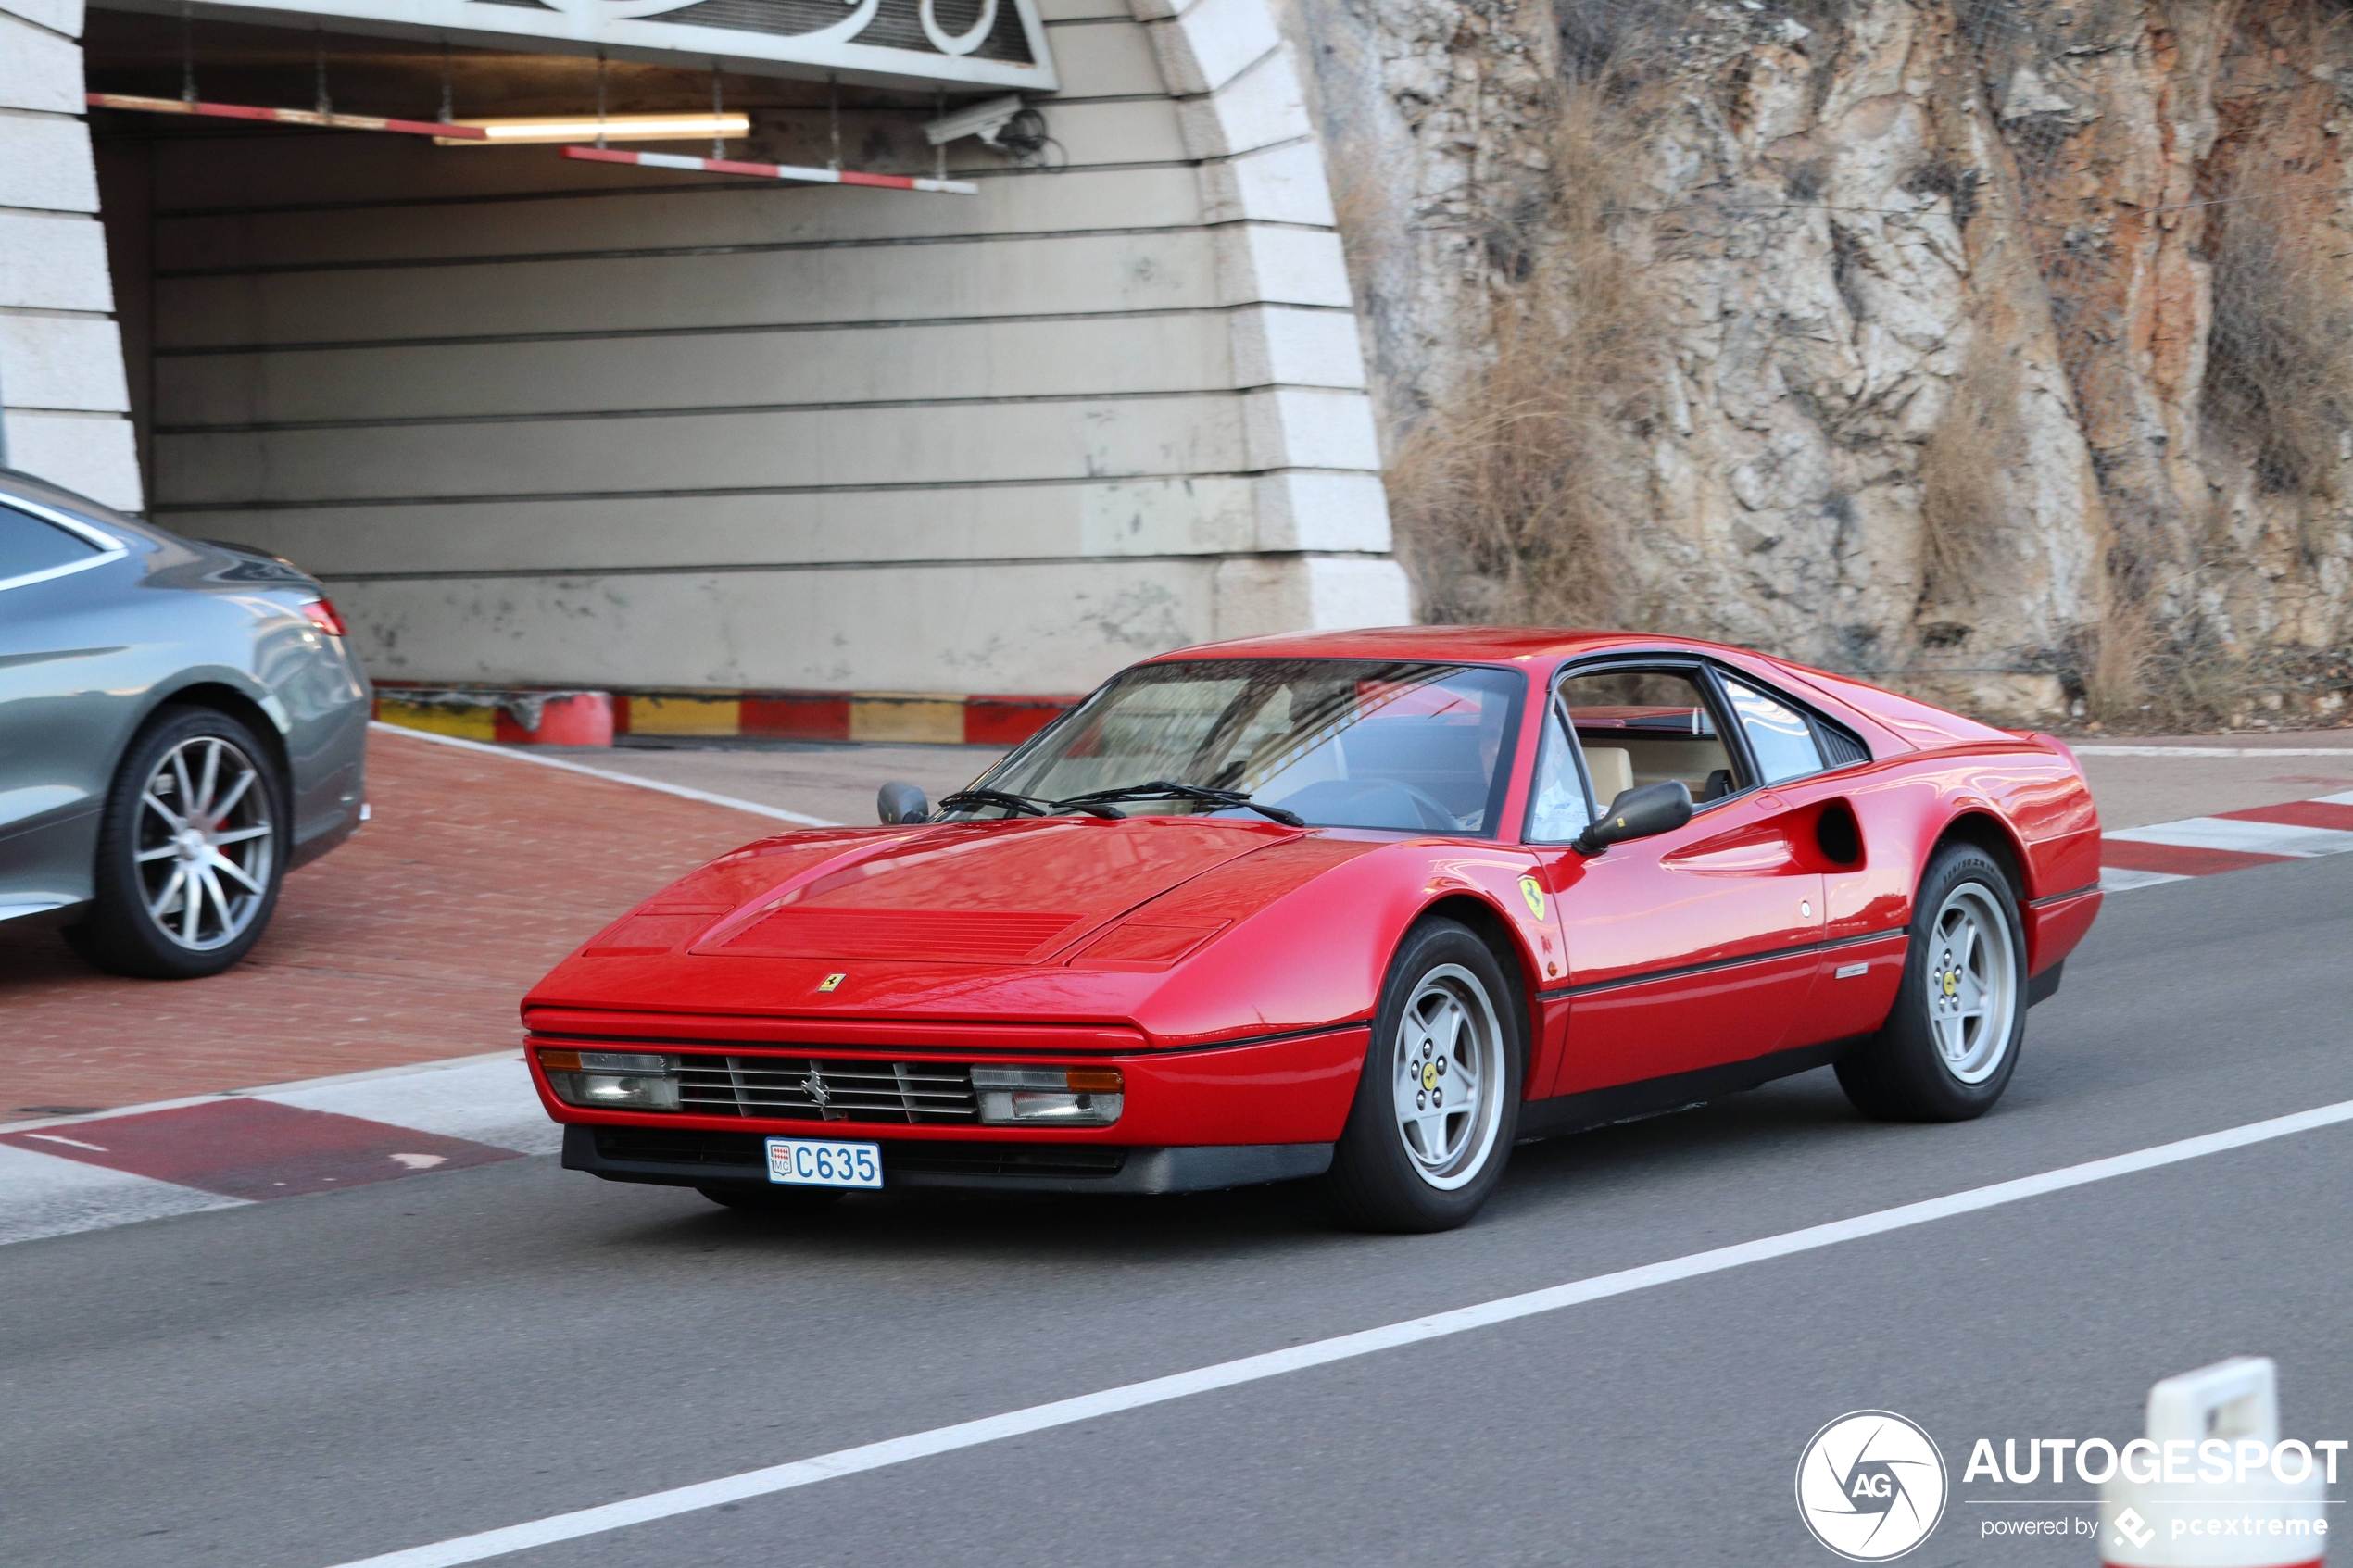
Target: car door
[[1692, 949], [1813, 764], [53, 761]]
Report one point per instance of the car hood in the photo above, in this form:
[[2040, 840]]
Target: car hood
[[1013, 892], [1001, 919]]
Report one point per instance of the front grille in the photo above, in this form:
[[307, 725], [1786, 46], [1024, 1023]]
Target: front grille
[[826, 1088]]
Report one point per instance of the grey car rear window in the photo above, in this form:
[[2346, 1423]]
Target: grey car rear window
[[29, 545]]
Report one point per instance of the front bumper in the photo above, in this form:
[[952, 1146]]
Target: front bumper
[[1278, 1092], [687, 1157]]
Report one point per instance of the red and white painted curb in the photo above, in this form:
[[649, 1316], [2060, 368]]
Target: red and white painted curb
[[774, 170], [292, 1140], [2261, 836], [286, 117], [594, 718]]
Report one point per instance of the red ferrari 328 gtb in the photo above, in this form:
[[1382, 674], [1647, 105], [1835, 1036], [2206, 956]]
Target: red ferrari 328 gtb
[[1365, 906]]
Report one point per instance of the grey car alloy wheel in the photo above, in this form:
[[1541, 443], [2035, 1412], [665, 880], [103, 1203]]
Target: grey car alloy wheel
[[206, 841]]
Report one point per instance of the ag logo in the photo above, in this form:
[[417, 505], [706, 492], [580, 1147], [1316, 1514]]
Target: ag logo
[[1871, 1486]]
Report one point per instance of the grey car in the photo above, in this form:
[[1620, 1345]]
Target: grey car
[[180, 723]]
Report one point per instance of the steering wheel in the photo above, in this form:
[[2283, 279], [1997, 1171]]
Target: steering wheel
[[1434, 813]]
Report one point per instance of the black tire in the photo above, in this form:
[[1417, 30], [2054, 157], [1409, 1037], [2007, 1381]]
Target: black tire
[[1377, 1182], [777, 1202], [120, 934], [1905, 1072]]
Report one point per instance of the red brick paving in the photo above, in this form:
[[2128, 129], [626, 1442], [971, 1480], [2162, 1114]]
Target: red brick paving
[[412, 942]]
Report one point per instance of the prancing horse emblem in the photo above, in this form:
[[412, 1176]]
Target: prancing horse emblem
[[819, 1096]]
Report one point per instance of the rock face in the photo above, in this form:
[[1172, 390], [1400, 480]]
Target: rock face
[[2001, 349]]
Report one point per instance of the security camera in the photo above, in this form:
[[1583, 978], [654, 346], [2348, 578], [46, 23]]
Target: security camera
[[984, 120]]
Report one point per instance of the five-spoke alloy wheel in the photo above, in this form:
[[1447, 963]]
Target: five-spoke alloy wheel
[[189, 852], [1438, 1103], [1948, 1048]]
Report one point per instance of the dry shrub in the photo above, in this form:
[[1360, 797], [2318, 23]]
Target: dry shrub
[[2117, 671], [2279, 375], [1509, 497], [1963, 505]]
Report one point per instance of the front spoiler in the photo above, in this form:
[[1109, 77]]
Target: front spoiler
[[1197, 1168]]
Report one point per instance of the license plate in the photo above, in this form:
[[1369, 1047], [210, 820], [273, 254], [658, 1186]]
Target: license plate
[[812, 1162]]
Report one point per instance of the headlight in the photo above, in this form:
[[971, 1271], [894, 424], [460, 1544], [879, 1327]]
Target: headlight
[[612, 1080], [1058, 1097]]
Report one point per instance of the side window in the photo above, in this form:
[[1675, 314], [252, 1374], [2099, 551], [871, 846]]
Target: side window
[[29, 545], [1645, 727], [1779, 736], [1557, 810]]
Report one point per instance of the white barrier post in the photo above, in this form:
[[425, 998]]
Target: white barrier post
[[2165, 1508]]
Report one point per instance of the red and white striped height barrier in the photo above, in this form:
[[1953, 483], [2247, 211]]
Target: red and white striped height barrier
[[284, 116], [774, 172]]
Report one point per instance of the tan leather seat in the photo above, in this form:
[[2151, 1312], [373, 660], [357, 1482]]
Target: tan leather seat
[[1613, 770]]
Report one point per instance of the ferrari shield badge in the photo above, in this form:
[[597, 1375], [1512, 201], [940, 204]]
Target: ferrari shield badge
[[1534, 895], [831, 980]]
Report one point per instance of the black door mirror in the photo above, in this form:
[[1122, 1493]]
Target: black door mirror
[[904, 803], [1638, 813]]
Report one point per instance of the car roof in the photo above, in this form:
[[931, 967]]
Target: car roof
[[1492, 644]]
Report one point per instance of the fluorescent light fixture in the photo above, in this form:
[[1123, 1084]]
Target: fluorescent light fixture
[[613, 128]]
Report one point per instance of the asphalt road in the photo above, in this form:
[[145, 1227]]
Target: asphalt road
[[313, 1381]]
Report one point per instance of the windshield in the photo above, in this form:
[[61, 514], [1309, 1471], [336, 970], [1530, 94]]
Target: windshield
[[1342, 743]]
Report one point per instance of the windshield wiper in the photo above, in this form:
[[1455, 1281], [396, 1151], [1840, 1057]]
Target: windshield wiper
[[1163, 789], [1024, 805]]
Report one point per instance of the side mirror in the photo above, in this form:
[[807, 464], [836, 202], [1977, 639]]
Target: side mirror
[[1638, 813], [904, 803]]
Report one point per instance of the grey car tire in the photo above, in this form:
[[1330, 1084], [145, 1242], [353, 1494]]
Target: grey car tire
[[229, 850], [1448, 1028], [1952, 1041]]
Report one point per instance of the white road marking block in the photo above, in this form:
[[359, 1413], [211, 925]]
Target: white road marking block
[[490, 1102], [483, 1099], [1297, 1358], [2248, 838], [2116, 878], [42, 1195]]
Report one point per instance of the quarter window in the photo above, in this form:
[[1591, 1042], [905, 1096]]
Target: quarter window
[[28, 545], [1557, 811], [1779, 736]]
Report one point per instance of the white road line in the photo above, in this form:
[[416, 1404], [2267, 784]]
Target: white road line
[[1274, 1363], [2209, 750], [519, 755], [2253, 838]]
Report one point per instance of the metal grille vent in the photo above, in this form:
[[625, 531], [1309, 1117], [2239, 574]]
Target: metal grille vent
[[827, 1088]]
